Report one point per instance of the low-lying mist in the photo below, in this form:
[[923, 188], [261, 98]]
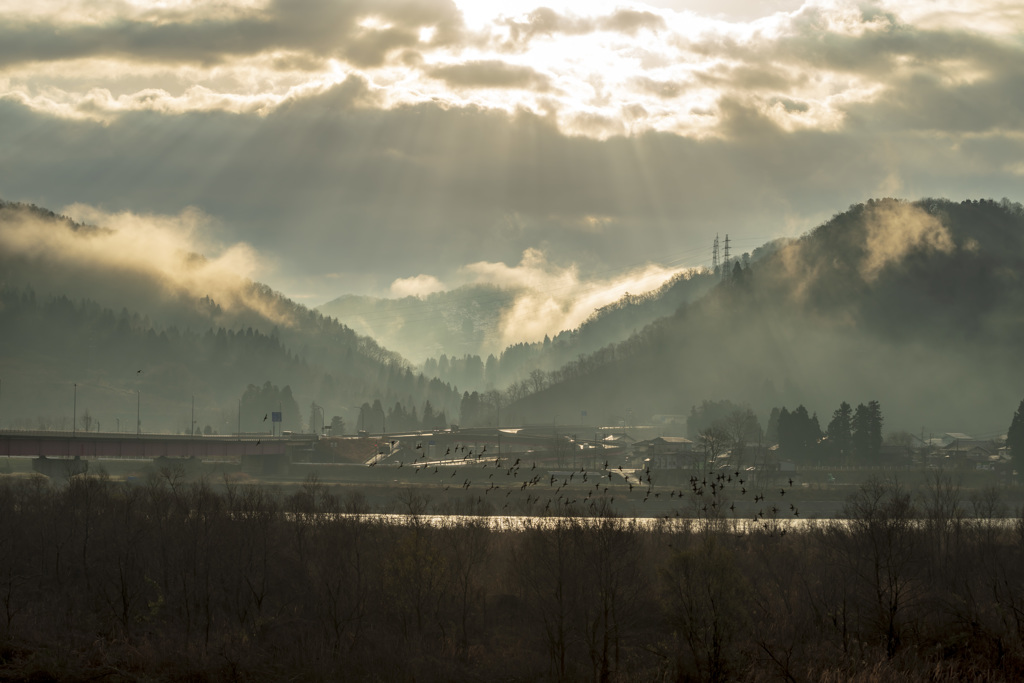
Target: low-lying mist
[[147, 263]]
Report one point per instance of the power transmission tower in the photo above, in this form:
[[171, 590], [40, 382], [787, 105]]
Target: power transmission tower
[[726, 264], [714, 255]]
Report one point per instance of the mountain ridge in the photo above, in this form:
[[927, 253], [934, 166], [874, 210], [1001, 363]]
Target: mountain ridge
[[889, 299], [194, 324]]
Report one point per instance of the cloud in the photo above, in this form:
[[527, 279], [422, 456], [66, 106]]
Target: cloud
[[592, 69], [667, 89], [418, 285], [319, 131], [491, 74], [361, 30], [551, 298], [631, 21], [545, 21], [169, 256]]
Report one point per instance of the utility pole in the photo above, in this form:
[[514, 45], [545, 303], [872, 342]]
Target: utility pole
[[192, 426], [74, 413], [138, 413]]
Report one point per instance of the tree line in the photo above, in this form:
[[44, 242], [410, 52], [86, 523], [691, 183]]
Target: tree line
[[115, 355], [398, 418], [851, 436]]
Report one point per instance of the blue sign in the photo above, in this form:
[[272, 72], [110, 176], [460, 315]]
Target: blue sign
[[275, 417]]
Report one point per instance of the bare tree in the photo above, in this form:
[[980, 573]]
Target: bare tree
[[538, 380], [714, 441], [740, 427]]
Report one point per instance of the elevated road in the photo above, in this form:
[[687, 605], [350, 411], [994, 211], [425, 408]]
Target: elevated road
[[146, 446]]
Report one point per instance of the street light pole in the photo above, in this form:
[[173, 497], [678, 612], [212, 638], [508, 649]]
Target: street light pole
[[138, 413], [74, 412]]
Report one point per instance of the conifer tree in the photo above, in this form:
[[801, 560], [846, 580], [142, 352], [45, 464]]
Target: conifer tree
[[1015, 435], [840, 430]]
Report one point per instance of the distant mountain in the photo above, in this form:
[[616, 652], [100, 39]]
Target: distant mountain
[[456, 322], [919, 305], [516, 365], [132, 316], [465, 325]]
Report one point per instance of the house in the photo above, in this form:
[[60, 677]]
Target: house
[[967, 452], [619, 439], [668, 453]]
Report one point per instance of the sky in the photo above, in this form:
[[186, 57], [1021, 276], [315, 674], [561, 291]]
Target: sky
[[395, 147]]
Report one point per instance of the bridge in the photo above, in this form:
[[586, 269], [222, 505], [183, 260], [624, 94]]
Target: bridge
[[144, 446]]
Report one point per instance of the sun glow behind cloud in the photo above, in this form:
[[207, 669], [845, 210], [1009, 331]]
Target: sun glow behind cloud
[[596, 69], [595, 132]]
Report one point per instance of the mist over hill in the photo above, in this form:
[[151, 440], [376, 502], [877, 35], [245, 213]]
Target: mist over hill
[[919, 305], [133, 314], [486, 307], [455, 322], [516, 366], [460, 332]]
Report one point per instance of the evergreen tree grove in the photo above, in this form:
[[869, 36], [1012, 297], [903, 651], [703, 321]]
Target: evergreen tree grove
[[1015, 435]]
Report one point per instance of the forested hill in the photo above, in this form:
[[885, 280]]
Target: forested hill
[[75, 310], [452, 330], [919, 305], [607, 325]]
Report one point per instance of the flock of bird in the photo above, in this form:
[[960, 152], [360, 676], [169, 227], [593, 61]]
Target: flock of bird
[[709, 494]]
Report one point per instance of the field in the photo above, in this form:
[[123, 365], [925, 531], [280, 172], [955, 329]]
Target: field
[[165, 579]]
